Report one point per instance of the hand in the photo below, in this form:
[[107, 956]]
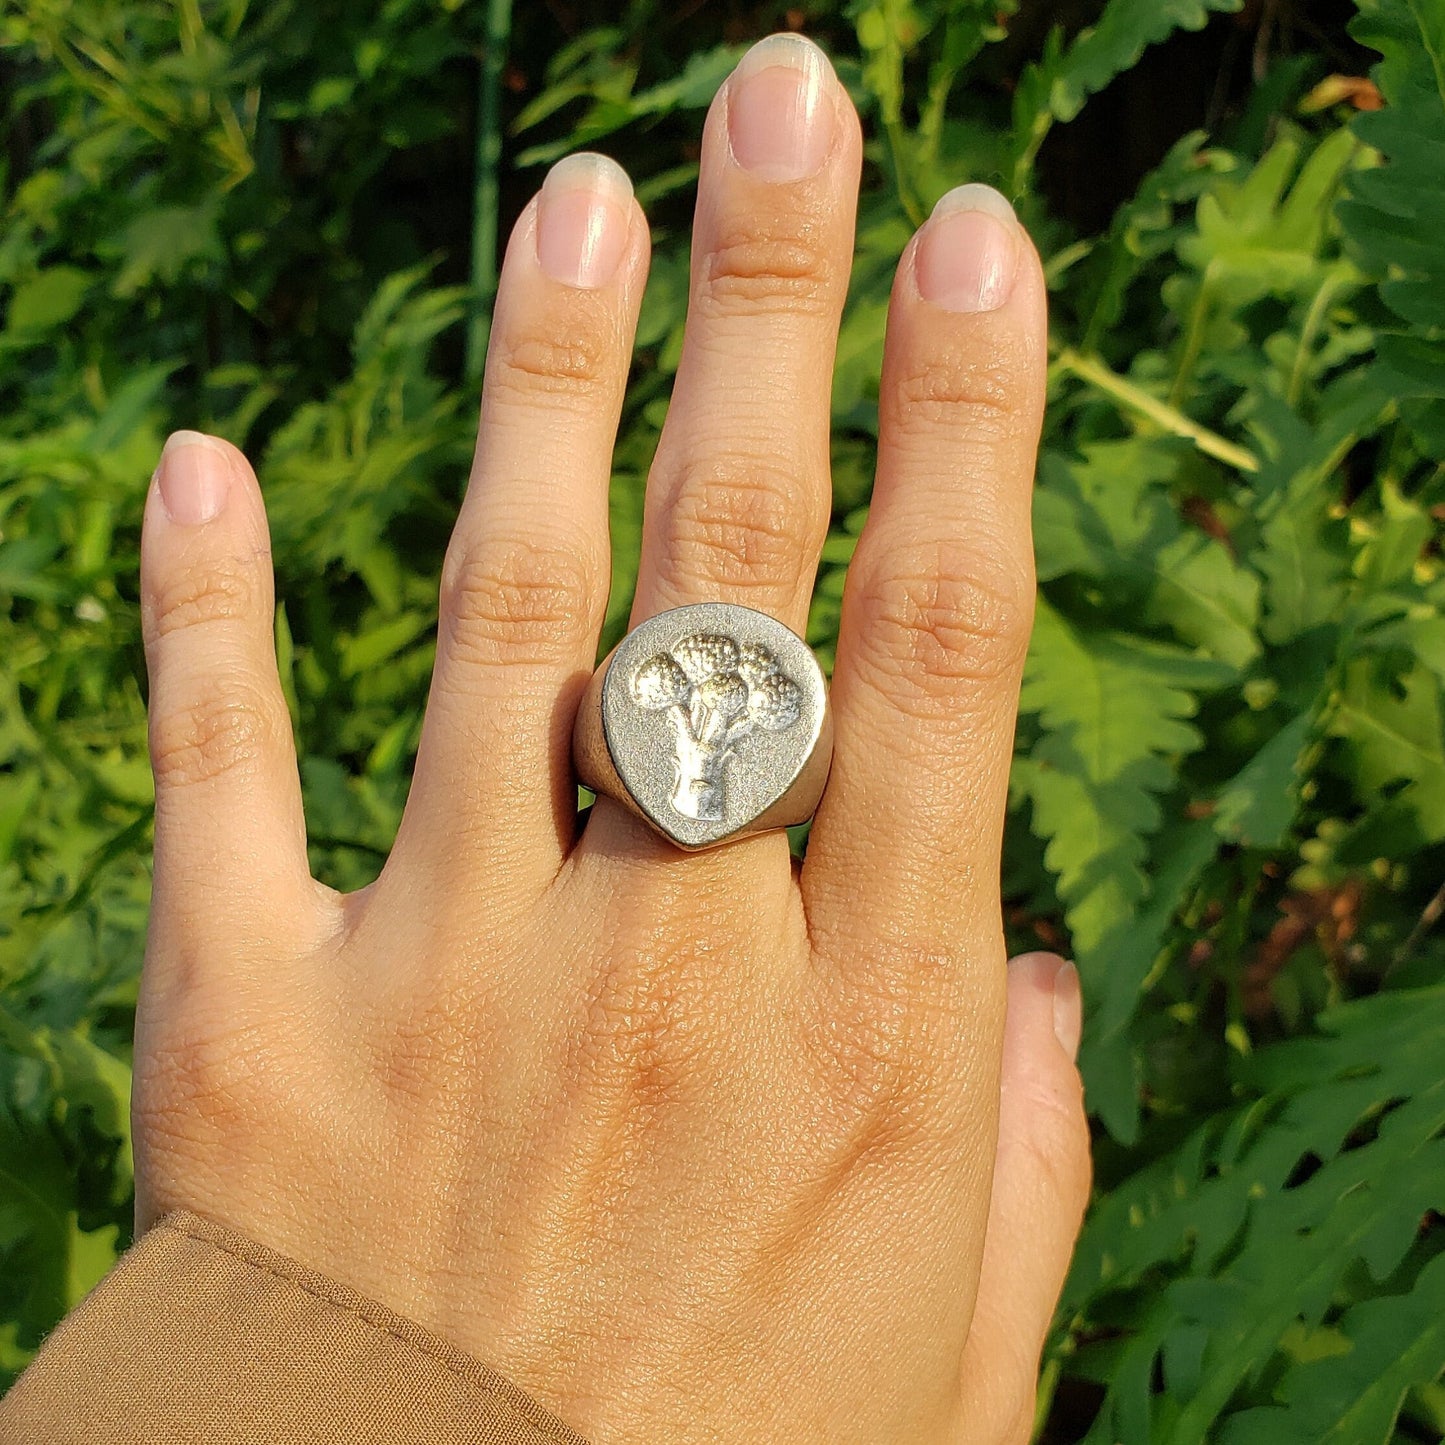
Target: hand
[[692, 1147]]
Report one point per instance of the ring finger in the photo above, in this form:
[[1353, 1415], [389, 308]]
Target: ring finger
[[739, 494]]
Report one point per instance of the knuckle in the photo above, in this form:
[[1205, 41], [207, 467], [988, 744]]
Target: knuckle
[[231, 730], [970, 394], [873, 1083], [948, 614], [887, 1042], [557, 355], [416, 1047], [520, 600], [639, 1036], [770, 264], [740, 523], [202, 1086], [225, 589]]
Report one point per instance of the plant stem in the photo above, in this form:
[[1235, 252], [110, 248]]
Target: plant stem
[[965, 34], [884, 50], [1313, 321], [1194, 337], [1167, 418], [1023, 172], [898, 151], [485, 195], [1427, 920], [1044, 1399]]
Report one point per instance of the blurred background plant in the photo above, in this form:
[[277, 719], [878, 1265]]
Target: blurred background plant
[[279, 221]]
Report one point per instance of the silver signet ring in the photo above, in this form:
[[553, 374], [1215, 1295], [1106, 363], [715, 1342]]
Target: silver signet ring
[[709, 722]]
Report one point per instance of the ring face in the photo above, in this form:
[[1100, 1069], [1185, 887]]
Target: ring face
[[712, 714]]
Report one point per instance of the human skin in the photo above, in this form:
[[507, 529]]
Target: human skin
[[693, 1147]]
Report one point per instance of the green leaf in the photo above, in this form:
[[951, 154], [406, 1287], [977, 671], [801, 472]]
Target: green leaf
[[1124, 30], [48, 299], [1395, 728], [1252, 1227], [1403, 533], [1257, 806], [1263, 233], [1129, 958], [1056, 86], [1396, 213], [1114, 712], [695, 85], [58, 1092], [1353, 1396], [1207, 598], [1107, 516], [379, 643], [160, 245], [1304, 565]]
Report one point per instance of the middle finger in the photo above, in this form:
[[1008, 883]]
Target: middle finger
[[739, 495]]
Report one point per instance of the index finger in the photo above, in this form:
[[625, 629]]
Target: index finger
[[904, 852]]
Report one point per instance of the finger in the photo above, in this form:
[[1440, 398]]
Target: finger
[[230, 840], [525, 580], [1040, 1188], [939, 598], [738, 499]]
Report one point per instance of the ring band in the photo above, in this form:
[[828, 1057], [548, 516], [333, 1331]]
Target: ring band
[[709, 722]]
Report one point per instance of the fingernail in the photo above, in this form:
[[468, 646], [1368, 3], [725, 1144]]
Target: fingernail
[[968, 251], [193, 477], [781, 112], [1068, 1010], [583, 219]]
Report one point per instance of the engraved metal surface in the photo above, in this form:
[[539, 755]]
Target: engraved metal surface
[[715, 720]]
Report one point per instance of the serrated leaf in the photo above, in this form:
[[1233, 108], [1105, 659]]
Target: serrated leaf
[[1396, 214], [1353, 1396], [1303, 560], [1104, 514], [1394, 725], [694, 87], [1107, 515], [1124, 30], [1057, 85], [1114, 712], [1128, 956], [1264, 233], [1229, 1232], [1207, 598]]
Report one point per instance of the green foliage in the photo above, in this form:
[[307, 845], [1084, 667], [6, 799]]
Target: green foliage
[[1057, 85], [1278, 1246], [1396, 212], [1112, 710], [1229, 794]]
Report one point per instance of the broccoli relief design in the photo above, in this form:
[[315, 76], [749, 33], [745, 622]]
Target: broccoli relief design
[[716, 694]]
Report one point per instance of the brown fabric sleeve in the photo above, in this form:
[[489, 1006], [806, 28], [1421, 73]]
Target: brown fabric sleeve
[[199, 1335]]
